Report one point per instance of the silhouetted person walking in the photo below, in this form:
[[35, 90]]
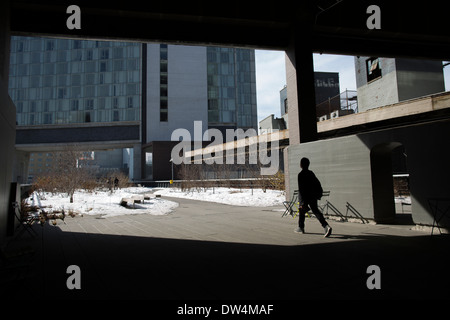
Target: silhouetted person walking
[[309, 191]]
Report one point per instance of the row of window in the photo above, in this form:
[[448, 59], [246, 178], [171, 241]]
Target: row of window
[[74, 80], [73, 56], [226, 55], [69, 48], [77, 104], [30, 112], [30, 119], [221, 80], [24, 44], [48, 93], [231, 69], [163, 83], [36, 69], [216, 117]]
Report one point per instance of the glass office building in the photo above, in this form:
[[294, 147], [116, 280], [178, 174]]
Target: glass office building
[[151, 89], [62, 81], [231, 87]]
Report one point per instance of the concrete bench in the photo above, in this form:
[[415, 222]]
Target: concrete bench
[[138, 199], [149, 196], [134, 199]]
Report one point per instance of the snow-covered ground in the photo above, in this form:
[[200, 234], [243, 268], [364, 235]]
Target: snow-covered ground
[[108, 204], [237, 197], [103, 202]]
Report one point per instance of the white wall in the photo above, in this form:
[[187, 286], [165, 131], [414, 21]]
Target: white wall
[[187, 90]]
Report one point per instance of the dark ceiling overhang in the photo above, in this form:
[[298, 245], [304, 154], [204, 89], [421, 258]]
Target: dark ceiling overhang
[[407, 29]]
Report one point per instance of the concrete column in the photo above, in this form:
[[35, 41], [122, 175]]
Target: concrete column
[[137, 162], [300, 88], [7, 120], [302, 122]]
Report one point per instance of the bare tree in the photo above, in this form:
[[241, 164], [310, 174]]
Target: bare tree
[[69, 171]]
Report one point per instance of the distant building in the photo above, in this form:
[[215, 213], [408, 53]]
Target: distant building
[[61, 81], [385, 81], [216, 86], [271, 124], [326, 86], [126, 95]]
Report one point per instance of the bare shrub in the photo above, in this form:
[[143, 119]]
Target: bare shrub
[[68, 173], [277, 181], [118, 179]]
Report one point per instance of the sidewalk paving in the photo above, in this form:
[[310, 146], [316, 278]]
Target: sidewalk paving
[[207, 250]]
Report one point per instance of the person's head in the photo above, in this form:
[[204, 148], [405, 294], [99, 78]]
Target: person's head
[[304, 163]]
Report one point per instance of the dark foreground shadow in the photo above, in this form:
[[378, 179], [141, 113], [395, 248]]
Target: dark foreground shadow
[[125, 267]]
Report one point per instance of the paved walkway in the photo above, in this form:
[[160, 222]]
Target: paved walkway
[[212, 251]]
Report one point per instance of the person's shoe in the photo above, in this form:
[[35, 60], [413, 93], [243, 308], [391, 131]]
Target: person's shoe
[[327, 231], [300, 230]]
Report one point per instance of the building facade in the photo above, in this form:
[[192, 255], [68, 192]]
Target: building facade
[[189, 83], [186, 84], [107, 88], [326, 86], [60, 81], [385, 81], [231, 88], [176, 87]]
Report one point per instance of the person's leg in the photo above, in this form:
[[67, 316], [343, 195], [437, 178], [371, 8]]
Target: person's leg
[[318, 213], [301, 218], [320, 217]]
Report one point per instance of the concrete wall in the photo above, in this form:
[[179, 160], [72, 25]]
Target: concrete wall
[[387, 66], [376, 93], [187, 90], [343, 167], [7, 121], [418, 78], [355, 170], [292, 97]]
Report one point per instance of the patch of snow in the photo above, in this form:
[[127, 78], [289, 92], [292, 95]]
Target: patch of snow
[[236, 197], [103, 202], [405, 200], [107, 203]]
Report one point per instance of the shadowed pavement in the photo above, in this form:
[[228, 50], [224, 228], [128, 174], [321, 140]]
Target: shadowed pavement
[[212, 251]]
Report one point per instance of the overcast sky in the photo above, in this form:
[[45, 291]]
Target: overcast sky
[[271, 77]]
